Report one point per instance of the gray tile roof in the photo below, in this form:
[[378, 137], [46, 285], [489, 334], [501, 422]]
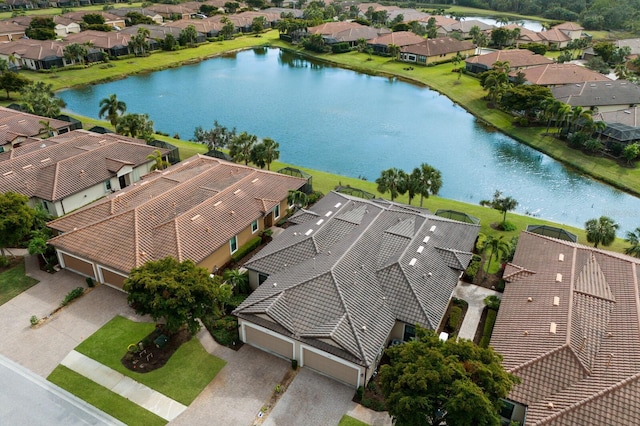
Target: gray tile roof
[[354, 268], [598, 93]]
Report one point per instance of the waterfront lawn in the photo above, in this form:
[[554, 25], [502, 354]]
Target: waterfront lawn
[[102, 398], [58, 11], [13, 282], [183, 377]]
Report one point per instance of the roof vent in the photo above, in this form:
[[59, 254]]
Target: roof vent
[[44, 145], [529, 299], [526, 332], [142, 253], [195, 217], [558, 278], [45, 160], [208, 229], [217, 203], [609, 334], [9, 173], [337, 205], [556, 300], [320, 222], [413, 261], [328, 213], [237, 191], [295, 234], [552, 328], [328, 253], [275, 284], [561, 257], [364, 328], [550, 405], [420, 249], [429, 274], [433, 228], [426, 239], [308, 232], [255, 180], [233, 212]]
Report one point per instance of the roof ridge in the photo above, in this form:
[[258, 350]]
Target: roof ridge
[[592, 397], [541, 357], [415, 294]]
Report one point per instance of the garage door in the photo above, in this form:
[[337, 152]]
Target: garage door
[[81, 266], [112, 278], [268, 342], [331, 368]]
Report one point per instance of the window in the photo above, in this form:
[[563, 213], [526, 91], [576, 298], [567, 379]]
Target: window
[[233, 244], [409, 332], [276, 212], [254, 226], [262, 278], [507, 409], [45, 205], [107, 184]]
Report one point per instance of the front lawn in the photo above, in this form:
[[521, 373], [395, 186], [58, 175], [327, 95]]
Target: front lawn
[[13, 282], [184, 376], [350, 421], [104, 399]]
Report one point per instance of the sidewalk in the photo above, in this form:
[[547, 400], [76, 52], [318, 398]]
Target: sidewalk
[[474, 295], [116, 382]]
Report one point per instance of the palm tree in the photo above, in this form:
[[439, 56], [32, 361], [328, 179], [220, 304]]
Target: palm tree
[[576, 115], [391, 180], [240, 147], [500, 203], [46, 128], [561, 115], [297, 199], [496, 83], [430, 181], [601, 231], [112, 108], [271, 151], [239, 281], [393, 50], [633, 238], [497, 246], [160, 162], [411, 183]]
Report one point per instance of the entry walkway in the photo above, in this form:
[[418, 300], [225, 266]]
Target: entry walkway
[[474, 295], [142, 395]]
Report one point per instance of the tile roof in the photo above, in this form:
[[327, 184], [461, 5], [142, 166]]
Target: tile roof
[[598, 93], [354, 34], [16, 123], [554, 35], [629, 116], [187, 211], [569, 26], [7, 27], [69, 163], [556, 74], [350, 269], [517, 58], [438, 46], [399, 38], [330, 28], [100, 39], [33, 49], [465, 26], [569, 329]]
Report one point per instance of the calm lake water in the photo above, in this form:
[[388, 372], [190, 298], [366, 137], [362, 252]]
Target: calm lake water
[[357, 125], [530, 25]]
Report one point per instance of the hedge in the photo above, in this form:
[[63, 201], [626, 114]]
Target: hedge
[[454, 318], [245, 249], [488, 328]]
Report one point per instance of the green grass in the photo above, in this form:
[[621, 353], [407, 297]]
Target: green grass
[[188, 371], [13, 282], [103, 399], [58, 11], [350, 421]]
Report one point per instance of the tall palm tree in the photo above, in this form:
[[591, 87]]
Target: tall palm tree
[[561, 115], [160, 162], [496, 246], [271, 151], [297, 199], [601, 231], [430, 181], [241, 145], [46, 128], [394, 51], [633, 238], [391, 180], [112, 108]]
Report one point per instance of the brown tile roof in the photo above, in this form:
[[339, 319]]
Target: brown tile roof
[[33, 49], [399, 38], [570, 331], [77, 16], [441, 20], [15, 123], [569, 26], [354, 34], [518, 58], [69, 163], [555, 74], [329, 28], [187, 211], [554, 35], [438, 46], [100, 39], [7, 27]]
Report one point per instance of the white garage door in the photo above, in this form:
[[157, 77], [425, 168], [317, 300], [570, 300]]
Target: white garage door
[[331, 368], [268, 342]]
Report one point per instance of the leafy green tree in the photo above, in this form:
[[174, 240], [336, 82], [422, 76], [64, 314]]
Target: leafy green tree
[[136, 126], [139, 43], [240, 147], [38, 98], [633, 238], [16, 219], [392, 181], [112, 108], [604, 50], [601, 231], [500, 203], [431, 382], [159, 162], [93, 18], [297, 199], [216, 138], [432, 29], [169, 43], [188, 36], [526, 99], [231, 6], [258, 24], [75, 52], [179, 293], [13, 82], [136, 18], [228, 29], [265, 153], [631, 152], [41, 28]]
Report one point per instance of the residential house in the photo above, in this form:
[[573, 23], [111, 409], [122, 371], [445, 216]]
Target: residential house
[[351, 276], [10, 31], [553, 38], [623, 126], [559, 74], [436, 50], [33, 54], [462, 28], [122, 12], [115, 21], [568, 327], [571, 29], [65, 25], [297, 13], [203, 209], [68, 171], [16, 127], [517, 58], [632, 43], [346, 32], [600, 96], [158, 33], [172, 12], [112, 43], [440, 20], [204, 27], [380, 45], [376, 7], [408, 15]]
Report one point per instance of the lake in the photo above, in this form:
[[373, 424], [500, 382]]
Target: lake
[[353, 124]]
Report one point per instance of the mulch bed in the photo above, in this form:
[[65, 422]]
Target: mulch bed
[[445, 319], [480, 329], [152, 357], [13, 261]]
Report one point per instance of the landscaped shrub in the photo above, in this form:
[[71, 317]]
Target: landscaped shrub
[[245, 249], [473, 268], [492, 302], [488, 328], [616, 148], [72, 295], [507, 226], [34, 320], [234, 301], [340, 48], [454, 318], [4, 261], [294, 364], [90, 282], [577, 140], [223, 330], [359, 393], [315, 196]]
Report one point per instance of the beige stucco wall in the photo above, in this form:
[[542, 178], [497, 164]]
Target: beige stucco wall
[[223, 254]]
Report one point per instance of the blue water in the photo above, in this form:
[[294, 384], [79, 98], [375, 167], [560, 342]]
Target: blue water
[[357, 125]]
